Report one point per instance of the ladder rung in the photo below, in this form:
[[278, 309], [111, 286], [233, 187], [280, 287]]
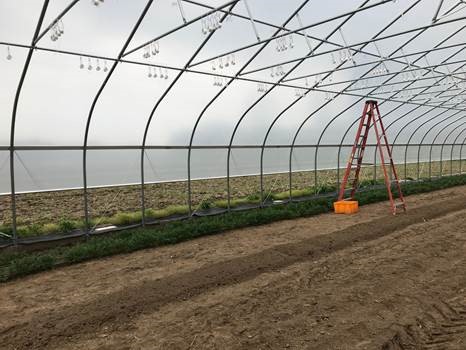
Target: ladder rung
[[399, 204], [362, 163]]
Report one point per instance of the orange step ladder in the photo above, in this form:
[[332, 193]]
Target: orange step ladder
[[371, 116]]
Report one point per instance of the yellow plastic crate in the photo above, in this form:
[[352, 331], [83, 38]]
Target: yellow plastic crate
[[346, 207]]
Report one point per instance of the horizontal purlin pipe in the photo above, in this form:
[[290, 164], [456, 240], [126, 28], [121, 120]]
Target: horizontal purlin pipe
[[390, 36], [349, 13], [188, 70], [326, 41], [179, 27], [240, 78], [175, 147], [382, 59], [456, 76]]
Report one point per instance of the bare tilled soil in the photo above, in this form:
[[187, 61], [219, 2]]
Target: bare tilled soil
[[367, 281]]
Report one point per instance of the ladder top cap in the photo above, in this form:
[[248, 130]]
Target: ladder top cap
[[371, 101]]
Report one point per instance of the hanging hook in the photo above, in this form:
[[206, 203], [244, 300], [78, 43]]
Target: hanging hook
[[8, 54]]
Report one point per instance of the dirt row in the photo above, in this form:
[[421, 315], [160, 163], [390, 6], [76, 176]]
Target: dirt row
[[368, 281]]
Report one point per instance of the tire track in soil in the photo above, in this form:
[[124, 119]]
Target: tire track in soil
[[443, 328], [117, 310]]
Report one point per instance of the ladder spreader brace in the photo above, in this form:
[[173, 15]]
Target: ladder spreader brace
[[371, 115]]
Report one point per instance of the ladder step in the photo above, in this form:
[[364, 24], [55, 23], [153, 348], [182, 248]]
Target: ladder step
[[399, 204], [363, 163]]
